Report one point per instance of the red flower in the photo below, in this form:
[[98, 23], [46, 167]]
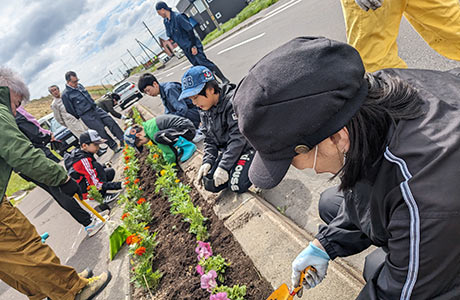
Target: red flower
[[129, 239], [126, 168], [124, 216], [136, 180], [88, 188], [139, 251], [127, 178], [141, 200], [126, 182]]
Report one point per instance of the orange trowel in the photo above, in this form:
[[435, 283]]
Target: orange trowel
[[282, 293]]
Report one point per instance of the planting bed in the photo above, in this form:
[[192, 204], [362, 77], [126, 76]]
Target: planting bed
[[175, 255]]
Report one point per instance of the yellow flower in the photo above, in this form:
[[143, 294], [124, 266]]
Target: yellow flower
[[163, 172], [177, 180]]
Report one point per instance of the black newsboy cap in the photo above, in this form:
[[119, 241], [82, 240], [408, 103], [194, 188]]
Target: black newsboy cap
[[293, 98]]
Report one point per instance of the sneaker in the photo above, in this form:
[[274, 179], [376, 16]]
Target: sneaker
[[101, 152], [111, 197], [199, 136], [87, 273], [94, 227], [95, 285]]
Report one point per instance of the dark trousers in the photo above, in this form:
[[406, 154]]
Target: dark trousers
[[200, 59], [106, 177], [239, 179], [68, 203], [329, 203], [98, 119]]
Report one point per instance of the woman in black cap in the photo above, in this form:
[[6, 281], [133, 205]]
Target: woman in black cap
[[392, 137]]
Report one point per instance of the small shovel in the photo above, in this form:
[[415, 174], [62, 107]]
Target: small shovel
[[282, 293]]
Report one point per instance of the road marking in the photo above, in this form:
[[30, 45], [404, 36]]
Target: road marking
[[169, 74], [242, 43], [186, 67], [173, 68], [272, 14]]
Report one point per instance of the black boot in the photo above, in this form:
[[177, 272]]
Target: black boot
[[221, 76]]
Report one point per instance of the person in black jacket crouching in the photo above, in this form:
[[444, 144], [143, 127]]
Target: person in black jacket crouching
[[227, 155], [393, 138]]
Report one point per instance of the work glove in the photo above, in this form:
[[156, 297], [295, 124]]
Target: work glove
[[203, 171], [310, 256], [369, 4], [220, 176], [123, 117], [70, 188]]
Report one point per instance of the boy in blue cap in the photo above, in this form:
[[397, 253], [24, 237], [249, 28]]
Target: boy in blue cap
[[227, 154]]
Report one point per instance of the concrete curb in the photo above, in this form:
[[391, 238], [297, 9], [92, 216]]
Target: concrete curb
[[271, 240]]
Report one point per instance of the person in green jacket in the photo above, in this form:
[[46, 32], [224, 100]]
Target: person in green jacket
[[171, 133], [27, 264]]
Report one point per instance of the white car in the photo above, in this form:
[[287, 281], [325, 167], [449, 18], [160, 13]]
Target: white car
[[127, 91], [178, 52], [164, 58]]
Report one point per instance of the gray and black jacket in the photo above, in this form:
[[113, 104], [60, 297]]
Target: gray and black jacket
[[106, 103], [410, 202], [220, 126]]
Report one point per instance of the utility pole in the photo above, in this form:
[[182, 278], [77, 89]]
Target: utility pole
[[122, 74], [141, 45], [127, 68], [137, 63], [152, 34]]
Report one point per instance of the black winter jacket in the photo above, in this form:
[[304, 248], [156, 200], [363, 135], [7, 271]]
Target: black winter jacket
[[410, 202], [220, 126], [38, 139]]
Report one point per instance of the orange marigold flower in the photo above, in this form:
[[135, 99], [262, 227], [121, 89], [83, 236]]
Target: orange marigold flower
[[136, 239], [88, 188], [163, 172], [124, 216], [136, 180], [155, 156], [127, 177], [146, 227], [126, 168], [126, 182], [139, 251], [141, 200], [127, 157], [129, 239]]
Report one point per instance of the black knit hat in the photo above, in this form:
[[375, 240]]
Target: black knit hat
[[161, 5], [293, 98]]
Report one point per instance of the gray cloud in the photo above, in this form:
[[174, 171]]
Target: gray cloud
[[37, 65], [39, 25]]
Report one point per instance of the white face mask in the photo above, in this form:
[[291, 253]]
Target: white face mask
[[314, 160]]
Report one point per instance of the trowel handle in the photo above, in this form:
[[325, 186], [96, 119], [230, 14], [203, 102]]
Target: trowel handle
[[302, 277]]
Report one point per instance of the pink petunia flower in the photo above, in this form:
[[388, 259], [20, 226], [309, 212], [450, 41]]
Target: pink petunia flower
[[200, 269], [208, 281], [203, 250], [219, 296]]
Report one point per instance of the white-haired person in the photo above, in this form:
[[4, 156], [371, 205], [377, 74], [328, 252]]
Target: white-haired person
[[27, 264]]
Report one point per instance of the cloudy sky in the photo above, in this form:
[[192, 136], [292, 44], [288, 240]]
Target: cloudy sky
[[43, 39]]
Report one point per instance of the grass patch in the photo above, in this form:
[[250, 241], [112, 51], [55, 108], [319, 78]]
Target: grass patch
[[16, 183], [250, 10]]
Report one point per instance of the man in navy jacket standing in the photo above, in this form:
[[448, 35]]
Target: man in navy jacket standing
[[78, 103], [179, 29]]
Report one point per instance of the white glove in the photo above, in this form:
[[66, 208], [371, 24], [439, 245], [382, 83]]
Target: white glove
[[123, 117], [369, 4], [203, 171], [310, 256], [220, 176]]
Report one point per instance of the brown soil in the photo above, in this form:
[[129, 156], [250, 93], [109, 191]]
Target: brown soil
[[176, 257]]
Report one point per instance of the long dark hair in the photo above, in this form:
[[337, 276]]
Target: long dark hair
[[389, 100]]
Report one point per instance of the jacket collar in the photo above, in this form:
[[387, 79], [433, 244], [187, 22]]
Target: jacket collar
[[5, 97]]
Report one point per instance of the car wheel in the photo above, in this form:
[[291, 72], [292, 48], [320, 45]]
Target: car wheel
[[122, 107]]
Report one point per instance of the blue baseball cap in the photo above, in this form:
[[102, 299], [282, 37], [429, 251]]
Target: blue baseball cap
[[194, 81]]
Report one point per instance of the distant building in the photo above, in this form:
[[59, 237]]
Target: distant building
[[223, 10]]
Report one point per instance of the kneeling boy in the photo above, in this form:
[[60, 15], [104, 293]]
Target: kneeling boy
[[171, 133], [83, 167], [227, 154]]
